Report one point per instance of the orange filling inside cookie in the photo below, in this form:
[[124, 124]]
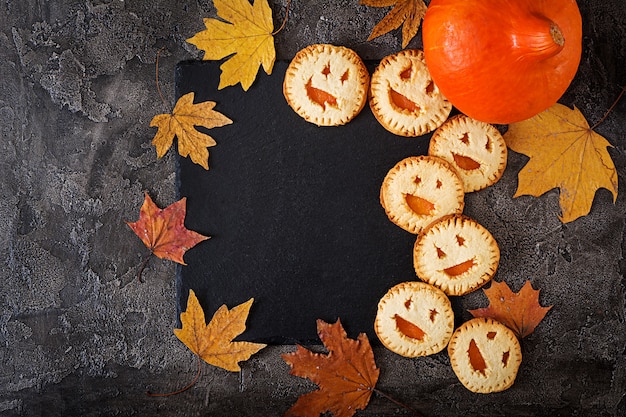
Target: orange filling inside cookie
[[476, 358], [419, 205], [403, 102], [319, 96], [409, 329], [459, 269], [465, 162]]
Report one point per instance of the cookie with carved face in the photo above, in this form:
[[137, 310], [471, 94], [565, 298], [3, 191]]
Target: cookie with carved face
[[475, 149], [456, 254], [485, 355], [414, 319], [419, 190], [403, 97], [326, 85]]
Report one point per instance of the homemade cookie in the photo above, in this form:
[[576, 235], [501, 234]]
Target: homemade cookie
[[475, 149], [419, 190], [456, 254], [403, 96], [326, 84], [485, 355], [414, 319]]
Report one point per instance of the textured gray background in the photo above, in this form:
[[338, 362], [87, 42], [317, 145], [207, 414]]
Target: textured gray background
[[80, 337]]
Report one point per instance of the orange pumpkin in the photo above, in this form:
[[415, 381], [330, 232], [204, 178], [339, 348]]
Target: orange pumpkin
[[502, 61]]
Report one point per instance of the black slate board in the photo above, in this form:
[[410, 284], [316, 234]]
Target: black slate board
[[293, 213]]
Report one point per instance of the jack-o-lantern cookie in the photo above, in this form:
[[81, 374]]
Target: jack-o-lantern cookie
[[326, 85], [403, 96], [414, 319], [419, 190], [485, 355], [456, 254], [475, 149]]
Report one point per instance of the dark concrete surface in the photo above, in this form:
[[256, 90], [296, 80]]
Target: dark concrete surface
[[79, 336]]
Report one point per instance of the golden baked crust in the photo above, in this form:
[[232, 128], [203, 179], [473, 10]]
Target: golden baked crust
[[414, 319], [475, 149], [456, 254], [403, 97], [326, 85], [419, 190], [485, 355]]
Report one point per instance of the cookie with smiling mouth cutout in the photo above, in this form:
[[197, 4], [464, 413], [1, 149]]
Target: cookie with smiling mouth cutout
[[414, 319], [456, 254], [419, 190], [326, 85], [475, 149], [403, 97]]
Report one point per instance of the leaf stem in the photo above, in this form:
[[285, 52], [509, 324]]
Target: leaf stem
[[284, 20], [143, 266], [619, 97], [185, 388], [167, 105], [398, 403]]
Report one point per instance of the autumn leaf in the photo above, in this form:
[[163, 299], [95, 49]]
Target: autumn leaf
[[407, 12], [163, 230], [181, 124], [346, 376], [521, 312], [246, 33], [213, 342], [565, 153]]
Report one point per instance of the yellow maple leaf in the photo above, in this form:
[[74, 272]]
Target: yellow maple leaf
[[564, 153], [246, 34], [407, 12], [181, 124], [213, 342]]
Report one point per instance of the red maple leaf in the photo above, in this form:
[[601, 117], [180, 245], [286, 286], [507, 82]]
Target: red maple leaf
[[163, 230], [346, 376], [521, 312]]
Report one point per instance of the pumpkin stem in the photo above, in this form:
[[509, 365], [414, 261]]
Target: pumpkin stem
[[557, 36], [541, 38]]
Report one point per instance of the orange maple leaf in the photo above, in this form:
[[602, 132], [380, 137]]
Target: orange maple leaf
[[182, 124], [565, 153], [346, 376], [407, 12], [163, 230], [213, 342], [520, 312]]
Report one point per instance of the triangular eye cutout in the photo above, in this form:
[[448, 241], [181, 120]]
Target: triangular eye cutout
[[505, 358], [433, 314], [326, 70], [460, 240], [440, 254], [430, 88], [464, 139], [345, 76], [406, 73]]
